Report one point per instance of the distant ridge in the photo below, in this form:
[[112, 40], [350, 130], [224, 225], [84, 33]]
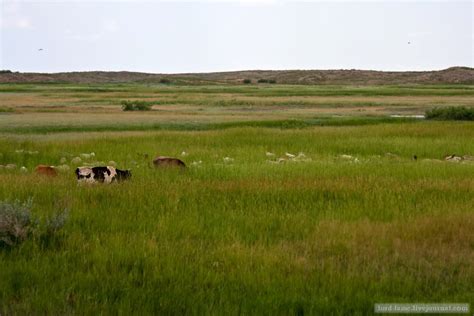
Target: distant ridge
[[453, 75]]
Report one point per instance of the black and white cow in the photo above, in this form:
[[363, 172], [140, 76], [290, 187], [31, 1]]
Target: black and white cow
[[101, 174]]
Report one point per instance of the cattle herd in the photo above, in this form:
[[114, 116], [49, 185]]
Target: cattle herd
[[108, 174]]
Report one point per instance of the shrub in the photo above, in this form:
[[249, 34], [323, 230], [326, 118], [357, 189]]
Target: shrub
[[128, 105], [247, 81], [457, 113], [55, 223], [16, 222], [6, 110], [5, 71], [142, 106], [266, 81], [51, 231], [165, 81]]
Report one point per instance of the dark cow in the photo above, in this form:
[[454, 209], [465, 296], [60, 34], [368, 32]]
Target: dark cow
[[49, 171], [162, 161], [106, 174]]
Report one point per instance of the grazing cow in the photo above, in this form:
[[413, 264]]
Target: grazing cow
[[162, 161], [49, 171], [101, 174]]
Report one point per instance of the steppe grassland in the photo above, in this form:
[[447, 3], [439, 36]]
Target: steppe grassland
[[325, 233]]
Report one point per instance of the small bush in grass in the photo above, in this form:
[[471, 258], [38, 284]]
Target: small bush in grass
[[51, 231], [127, 106], [142, 106], [165, 81], [137, 105], [17, 223], [247, 81], [456, 113], [6, 110]]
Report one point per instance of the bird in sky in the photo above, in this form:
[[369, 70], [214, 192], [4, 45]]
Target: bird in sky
[[40, 49]]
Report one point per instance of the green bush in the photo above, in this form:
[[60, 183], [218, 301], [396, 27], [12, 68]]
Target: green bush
[[247, 81], [6, 110], [165, 81], [452, 113], [128, 105]]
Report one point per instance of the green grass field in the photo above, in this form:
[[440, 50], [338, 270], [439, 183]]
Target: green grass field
[[353, 220]]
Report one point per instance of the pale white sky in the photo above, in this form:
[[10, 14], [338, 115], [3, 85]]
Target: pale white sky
[[219, 35]]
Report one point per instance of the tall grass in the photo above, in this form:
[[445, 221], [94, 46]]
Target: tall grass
[[200, 126], [246, 229], [328, 235]]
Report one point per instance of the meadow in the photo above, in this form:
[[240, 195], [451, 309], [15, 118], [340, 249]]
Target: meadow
[[296, 199]]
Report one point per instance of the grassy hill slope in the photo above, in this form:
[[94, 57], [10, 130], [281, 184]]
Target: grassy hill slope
[[453, 75]]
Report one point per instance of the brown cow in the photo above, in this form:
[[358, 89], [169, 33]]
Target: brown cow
[[49, 171], [162, 161]]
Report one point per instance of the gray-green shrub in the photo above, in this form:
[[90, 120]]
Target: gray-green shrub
[[16, 222]]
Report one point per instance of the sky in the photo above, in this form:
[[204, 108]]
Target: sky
[[160, 36]]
